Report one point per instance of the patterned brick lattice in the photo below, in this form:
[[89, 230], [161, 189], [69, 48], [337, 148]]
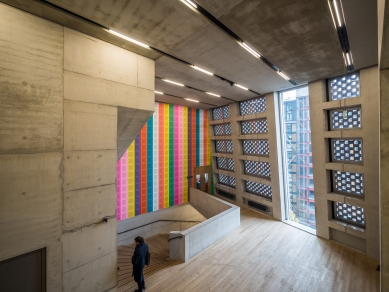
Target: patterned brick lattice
[[344, 87], [254, 127], [225, 163], [222, 130], [227, 180], [256, 147], [259, 189], [224, 146], [348, 182], [347, 149], [350, 213], [346, 119], [253, 106], [257, 168], [221, 113]]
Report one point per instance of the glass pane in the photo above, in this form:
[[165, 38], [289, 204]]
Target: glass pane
[[254, 127], [297, 148], [222, 130]]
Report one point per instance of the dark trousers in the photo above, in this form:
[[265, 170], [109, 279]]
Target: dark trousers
[[141, 285]]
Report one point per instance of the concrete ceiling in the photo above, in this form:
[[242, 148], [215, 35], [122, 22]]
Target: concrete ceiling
[[296, 36]]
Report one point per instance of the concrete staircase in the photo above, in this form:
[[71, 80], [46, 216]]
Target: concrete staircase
[[159, 249]]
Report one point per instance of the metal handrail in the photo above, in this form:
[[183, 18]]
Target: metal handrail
[[159, 221], [174, 238]]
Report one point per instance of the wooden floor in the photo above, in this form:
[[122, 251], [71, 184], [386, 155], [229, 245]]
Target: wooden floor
[[268, 255], [159, 250]]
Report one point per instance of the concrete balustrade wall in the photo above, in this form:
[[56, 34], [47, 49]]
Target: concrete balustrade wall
[[59, 96], [147, 225], [223, 218]]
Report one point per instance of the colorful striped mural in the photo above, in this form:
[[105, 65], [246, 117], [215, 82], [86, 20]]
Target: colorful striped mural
[[152, 173]]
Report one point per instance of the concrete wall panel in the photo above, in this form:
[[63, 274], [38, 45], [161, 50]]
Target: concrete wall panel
[[89, 126], [80, 87], [88, 244], [89, 56], [85, 169], [96, 276], [146, 73], [88, 206], [30, 186], [31, 88]]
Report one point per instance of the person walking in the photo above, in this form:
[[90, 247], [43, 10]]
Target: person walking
[[139, 261]]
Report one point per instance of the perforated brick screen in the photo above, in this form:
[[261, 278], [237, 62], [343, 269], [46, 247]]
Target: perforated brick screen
[[348, 182], [224, 146], [254, 127], [257, 168], [259, 189], [222, 130], [256, 147], [346, 119], [350, 213], [225, 163], [347, 149], [257, 105], [344, 87], [227, 180]]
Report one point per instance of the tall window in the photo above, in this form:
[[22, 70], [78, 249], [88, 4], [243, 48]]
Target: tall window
[[297, 157]]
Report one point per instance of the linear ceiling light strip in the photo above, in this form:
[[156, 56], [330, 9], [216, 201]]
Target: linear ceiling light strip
[[193, 88], [336, 9], [189, 99], [240, 41]]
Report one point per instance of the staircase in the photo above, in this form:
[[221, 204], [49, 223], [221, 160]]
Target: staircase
[[160, 252]]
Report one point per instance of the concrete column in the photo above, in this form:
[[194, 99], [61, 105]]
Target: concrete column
[[99, 77], [366, 239], [31, 138]]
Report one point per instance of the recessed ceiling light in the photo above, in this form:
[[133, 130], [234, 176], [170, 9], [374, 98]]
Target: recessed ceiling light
[[128, 39], [348, 59], [202, 70], [337, 12], [210, 93], [250, 50], [172, 82], [283, 75], [189, 2], [188, 99], [240, 86], [158, 92]]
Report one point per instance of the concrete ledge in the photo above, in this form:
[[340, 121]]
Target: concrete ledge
[[223, 218]]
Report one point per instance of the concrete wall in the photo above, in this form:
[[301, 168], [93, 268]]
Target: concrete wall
[[224, 218], [183, 212], [324, 196], [60, 91], [238, 156], [383, 47]]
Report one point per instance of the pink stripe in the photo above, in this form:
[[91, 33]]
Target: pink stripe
[[181, 155], [176, 159], [123, 187]]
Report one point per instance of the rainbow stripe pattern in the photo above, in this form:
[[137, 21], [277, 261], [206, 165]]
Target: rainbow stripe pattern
[[152, 173]]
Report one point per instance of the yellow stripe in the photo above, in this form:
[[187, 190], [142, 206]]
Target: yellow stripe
[[131, 180]]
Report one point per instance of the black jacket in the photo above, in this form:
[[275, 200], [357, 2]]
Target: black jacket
[[139, 261]]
